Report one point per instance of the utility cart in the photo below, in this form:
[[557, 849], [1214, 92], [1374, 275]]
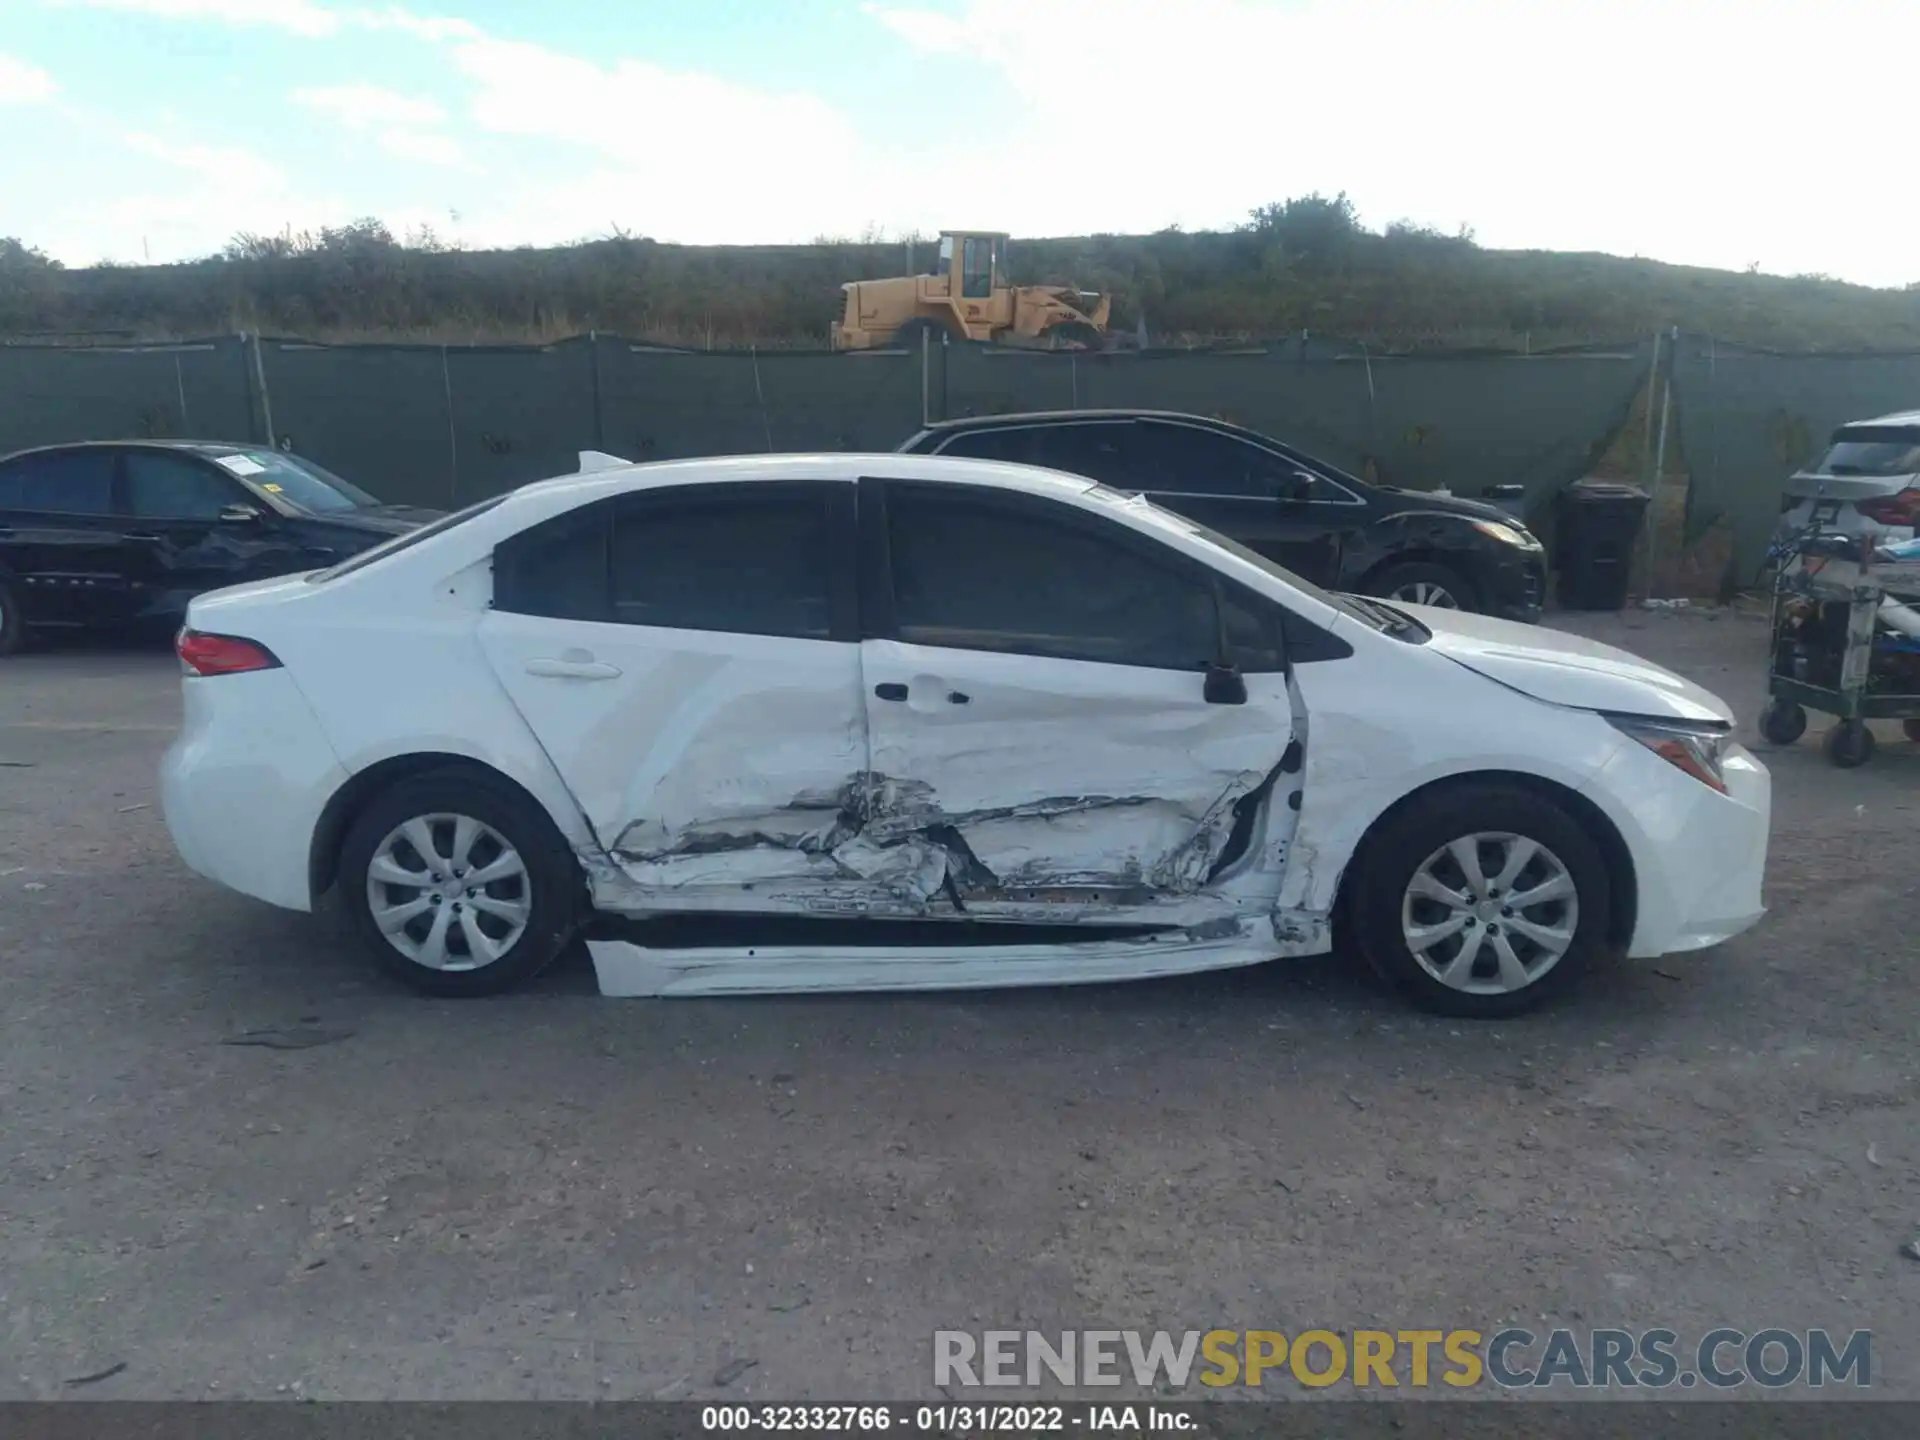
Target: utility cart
[[1846, 642]]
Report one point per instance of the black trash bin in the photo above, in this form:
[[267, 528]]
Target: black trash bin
[[1593, 543]]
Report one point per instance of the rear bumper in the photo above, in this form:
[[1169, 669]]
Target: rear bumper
[[243, 786], [1699, 857]]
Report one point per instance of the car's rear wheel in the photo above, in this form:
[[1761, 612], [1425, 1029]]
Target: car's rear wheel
[[1419, 583], [459, 884], [1481, 900], [13, 627]]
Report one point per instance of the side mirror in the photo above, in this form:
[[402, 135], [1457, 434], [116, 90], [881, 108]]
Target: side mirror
[[1224, 685], [239, 514], [1293, 485]]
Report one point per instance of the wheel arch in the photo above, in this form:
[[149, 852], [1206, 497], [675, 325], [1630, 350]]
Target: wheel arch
[[1459, 561], [1623, 895], [359, 789]]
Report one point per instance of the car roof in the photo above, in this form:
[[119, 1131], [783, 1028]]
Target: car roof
[[197, 447], [1048, 417], [1899, 417], [836, 465]]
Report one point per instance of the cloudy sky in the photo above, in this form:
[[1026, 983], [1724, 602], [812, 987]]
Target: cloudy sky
[[1699, 131]]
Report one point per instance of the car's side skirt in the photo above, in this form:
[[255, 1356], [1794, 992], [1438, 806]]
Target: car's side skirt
[[627, 969]]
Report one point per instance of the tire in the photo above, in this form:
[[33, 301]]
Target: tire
[[1783, 722], [1415, 578], [1849, 744], [453, 803], [1417, 841], [13, 626]]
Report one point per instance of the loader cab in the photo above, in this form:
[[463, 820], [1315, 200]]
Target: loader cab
[[978, 257]]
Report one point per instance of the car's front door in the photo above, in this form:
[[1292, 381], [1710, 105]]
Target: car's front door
[[689, 659], [1040, 705], [186, 534]]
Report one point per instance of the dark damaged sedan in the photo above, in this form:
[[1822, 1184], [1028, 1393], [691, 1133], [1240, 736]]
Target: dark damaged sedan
[[1332, 528], [126, 532]]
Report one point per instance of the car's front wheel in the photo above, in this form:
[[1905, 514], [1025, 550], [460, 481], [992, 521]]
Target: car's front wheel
[[1424, 584], [1481, 900], [459, 884]]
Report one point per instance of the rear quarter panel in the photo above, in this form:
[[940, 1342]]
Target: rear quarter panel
[[391, 664]]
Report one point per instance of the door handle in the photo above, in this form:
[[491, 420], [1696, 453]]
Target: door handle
[[572, 669], [958, 697], [890, 691], [140, 535]]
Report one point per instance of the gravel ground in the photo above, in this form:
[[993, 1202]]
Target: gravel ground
[[555, 1195]]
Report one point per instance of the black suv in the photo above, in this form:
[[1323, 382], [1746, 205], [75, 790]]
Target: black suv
[[124, 532], [1325, 525]]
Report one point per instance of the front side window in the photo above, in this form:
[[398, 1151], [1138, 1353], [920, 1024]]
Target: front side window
[[172, 487], [946, 255], [976, 267], [973, 573], [61, 482], [753, 563]]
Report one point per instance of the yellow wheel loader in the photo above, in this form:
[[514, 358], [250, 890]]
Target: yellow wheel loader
[[968, 298]]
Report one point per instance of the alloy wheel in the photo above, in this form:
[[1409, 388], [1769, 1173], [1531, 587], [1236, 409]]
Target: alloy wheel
[[449, 892], [1490, 913], [1426, 592]]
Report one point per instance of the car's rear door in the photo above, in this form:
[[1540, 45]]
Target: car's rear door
[[61, 540], [688, 657], [1038, 703]]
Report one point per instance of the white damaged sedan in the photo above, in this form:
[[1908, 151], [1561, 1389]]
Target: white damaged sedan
[[1022, 728]]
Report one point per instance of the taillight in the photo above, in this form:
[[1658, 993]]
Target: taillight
[[203, 654], [1901, 509]]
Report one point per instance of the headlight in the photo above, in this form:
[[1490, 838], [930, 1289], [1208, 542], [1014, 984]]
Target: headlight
[[1516, 535], [1696, 749]]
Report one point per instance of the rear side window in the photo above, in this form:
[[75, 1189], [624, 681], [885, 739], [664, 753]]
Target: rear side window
[[61, 482], [557, 568], [1187, 460], [752, 563], [172, 487], [1013, 445], [970, 572]]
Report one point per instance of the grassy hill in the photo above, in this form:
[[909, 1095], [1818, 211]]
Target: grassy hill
[[1301, 264]]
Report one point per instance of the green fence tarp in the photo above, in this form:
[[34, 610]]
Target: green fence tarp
[[668, 404], [1748, 419], [445, 425], [191, 390]]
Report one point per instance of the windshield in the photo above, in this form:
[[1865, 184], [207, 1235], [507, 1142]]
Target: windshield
[[300, 483], [1863, 450]]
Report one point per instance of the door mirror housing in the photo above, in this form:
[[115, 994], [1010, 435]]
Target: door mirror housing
[[1293, 485], [239, 514], [1225, 685]]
